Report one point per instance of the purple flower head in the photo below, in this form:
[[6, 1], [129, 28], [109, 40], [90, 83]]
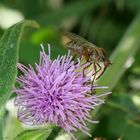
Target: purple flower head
[[55, 92]]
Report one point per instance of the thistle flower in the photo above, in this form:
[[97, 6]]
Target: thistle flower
[[55, 92]]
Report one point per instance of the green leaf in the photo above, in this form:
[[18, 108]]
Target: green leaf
[[39, 134], [9, 44]]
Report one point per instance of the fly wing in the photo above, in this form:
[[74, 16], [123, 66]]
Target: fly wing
[[74, 37], [68, 36], [65, 39]]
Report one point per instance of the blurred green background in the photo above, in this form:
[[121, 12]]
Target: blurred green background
[[111, 24]]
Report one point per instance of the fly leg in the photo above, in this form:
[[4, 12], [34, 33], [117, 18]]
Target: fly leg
[[86, 54], [99, 70], [94, 74], [86, 68]]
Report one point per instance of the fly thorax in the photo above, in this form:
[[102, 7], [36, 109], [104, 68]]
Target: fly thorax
[[75, 46]]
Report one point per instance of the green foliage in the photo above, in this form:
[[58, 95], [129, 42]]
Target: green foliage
[[40, 134], [113, 25], [120, 57], [9, 44], [123, 114], [126, 49]]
